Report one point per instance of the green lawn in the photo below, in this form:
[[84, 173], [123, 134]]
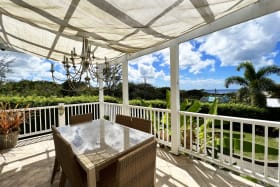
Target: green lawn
[[247, 145]]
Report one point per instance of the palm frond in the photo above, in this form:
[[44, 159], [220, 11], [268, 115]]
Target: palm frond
[[266, 84], [268, 70], [235, 80], [249, 73]]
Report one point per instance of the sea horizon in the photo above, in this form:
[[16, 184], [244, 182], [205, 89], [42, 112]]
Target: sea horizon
[[221, 91]]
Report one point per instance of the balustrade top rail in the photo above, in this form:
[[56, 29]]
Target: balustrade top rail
[[80, 104]]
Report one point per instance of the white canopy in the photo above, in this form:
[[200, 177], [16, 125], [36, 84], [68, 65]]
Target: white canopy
[[114, 28]]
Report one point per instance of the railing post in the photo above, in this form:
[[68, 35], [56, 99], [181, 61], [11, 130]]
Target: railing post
[[61, 114], [175, 103]]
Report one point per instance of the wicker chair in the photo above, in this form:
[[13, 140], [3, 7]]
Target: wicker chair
[[141, 124], [56, 165], [70, 167], [123, 120], [138, 167], [74, 120]]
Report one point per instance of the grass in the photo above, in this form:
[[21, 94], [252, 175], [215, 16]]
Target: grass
[[247, 145]]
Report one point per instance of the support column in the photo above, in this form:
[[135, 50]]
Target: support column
[[125, 94], [175, 100], [61, 114], [101, 93]]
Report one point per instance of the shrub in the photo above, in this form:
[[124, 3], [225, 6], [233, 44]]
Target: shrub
[[156, 103], [148, 103], [111, 99], [246, 111], [35, 101]]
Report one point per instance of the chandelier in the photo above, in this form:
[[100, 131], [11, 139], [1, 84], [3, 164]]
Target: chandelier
[[80, 70]]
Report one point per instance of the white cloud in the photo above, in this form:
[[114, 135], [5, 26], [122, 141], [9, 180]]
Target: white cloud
[[142, 69], [254, 40], [164, 54], [192, 60], [189, 59], [28, 67]]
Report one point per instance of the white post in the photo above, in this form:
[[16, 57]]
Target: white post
[[61, 114], [101, 93], [175, 102], [125, 95]]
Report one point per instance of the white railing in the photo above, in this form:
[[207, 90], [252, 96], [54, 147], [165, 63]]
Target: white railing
[[111, 110], [81, 108], [157, 116], [160, 121], [239, 144], [38, 120], [247, 146]]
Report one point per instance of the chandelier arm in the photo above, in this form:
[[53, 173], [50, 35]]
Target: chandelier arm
[[57, 79], [74, 72], [93, 72], [76, 75]]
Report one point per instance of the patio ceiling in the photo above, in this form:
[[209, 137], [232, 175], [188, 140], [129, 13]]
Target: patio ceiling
[[115, 28]]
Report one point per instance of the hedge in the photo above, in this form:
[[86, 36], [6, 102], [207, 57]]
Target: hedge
[[35, 101], [246, 111], [228, 109], [148, 103]]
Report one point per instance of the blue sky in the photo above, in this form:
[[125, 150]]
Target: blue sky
[[205, 62]]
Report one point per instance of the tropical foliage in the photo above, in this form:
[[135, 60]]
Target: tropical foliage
[[254, 83], [206, 126], [10, 118]]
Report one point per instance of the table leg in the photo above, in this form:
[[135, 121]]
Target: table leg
[[91, 179]]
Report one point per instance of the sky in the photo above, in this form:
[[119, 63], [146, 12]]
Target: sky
[[204, 62]]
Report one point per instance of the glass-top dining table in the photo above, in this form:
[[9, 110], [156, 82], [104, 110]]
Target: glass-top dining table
[[99, 143]]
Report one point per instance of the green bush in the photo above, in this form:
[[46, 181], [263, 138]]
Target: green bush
[[156, 103], [148, 103], [35, 101], [246, 111], [111, 99]]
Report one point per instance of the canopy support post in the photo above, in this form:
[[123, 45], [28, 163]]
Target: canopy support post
[[175, 100]]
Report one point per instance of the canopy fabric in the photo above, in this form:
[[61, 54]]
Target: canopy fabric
[[52, 28]]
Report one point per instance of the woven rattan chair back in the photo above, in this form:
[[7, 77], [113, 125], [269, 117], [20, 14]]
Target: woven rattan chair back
[[56, 165], [137, 168], [123, 120], [66, 158], [141, 124], [77, 119]]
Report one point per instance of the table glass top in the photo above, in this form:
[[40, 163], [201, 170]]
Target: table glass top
[[100, 135]]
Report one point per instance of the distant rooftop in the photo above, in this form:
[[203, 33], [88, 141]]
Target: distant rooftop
[[210, 99]]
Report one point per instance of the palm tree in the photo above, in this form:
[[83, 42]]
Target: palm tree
[[254, 83]]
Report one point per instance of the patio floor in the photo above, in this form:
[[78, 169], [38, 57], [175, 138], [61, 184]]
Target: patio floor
[[31, 162]]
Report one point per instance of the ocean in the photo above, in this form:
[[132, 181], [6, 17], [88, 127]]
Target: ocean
[[221, 91]]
